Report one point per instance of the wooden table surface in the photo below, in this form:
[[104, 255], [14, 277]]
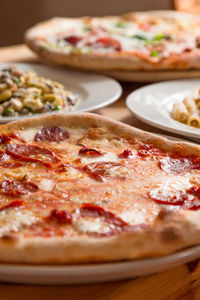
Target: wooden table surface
[[180, 283]]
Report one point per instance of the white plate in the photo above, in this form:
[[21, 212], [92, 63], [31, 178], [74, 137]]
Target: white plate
[[81, 274], [93, 91], [153, 103]]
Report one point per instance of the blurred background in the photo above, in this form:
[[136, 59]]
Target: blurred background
[[25, 13]]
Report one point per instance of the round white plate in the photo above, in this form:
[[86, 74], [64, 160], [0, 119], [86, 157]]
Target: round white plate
[[92, 90], [93, 273], [153, 103], [81, 274]]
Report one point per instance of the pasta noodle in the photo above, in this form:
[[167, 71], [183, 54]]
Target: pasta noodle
[[193, 119], [180, 112], [28, 93], [187, 111]]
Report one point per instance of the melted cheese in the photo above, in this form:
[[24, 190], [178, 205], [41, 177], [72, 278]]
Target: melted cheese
[[119, 171], [91, 225], [139, 216], [29, 134], [170, 187], [46, 185], [13, 219], [103, 158]]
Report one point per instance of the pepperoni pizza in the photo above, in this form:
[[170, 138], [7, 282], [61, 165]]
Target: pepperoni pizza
[[80, 188]]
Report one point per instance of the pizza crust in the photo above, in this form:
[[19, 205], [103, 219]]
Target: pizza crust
[[170, 232], [114, 61]]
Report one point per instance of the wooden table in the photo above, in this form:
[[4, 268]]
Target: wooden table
[[180, 283]]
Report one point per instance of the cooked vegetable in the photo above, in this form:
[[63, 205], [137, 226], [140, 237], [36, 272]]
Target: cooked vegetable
[[154, 53], [27, 93]]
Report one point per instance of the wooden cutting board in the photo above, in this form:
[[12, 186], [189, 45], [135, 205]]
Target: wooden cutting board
[[180, 283]]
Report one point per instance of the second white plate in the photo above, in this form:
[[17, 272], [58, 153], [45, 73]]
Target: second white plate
[[153, 103], [92, 90]]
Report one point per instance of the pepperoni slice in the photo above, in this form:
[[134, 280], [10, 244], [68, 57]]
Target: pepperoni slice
[[13, 204], [31, 153], [89, 210], [173, 165], [89, 152], [61, 217], [117, 225], [17, 187], [194, 204], [51, 134], [4, 139], [194, 191], [5, 161], [178, 199], [103, 169], [189, 199], [126, 154], [148, 150]]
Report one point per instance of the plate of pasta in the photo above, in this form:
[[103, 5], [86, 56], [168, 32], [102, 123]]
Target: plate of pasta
[[171, 105], [27, 90]]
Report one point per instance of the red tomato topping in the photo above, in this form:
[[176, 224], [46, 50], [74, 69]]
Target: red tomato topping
[[29, 153], [51, 134], [17, 187], [15, 203], [61, 217], [73, 39], [89, 152], [126, 154], [176, 165], [108, 42], [144, 26]]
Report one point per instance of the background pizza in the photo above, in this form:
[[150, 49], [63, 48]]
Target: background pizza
[[159, 40]]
